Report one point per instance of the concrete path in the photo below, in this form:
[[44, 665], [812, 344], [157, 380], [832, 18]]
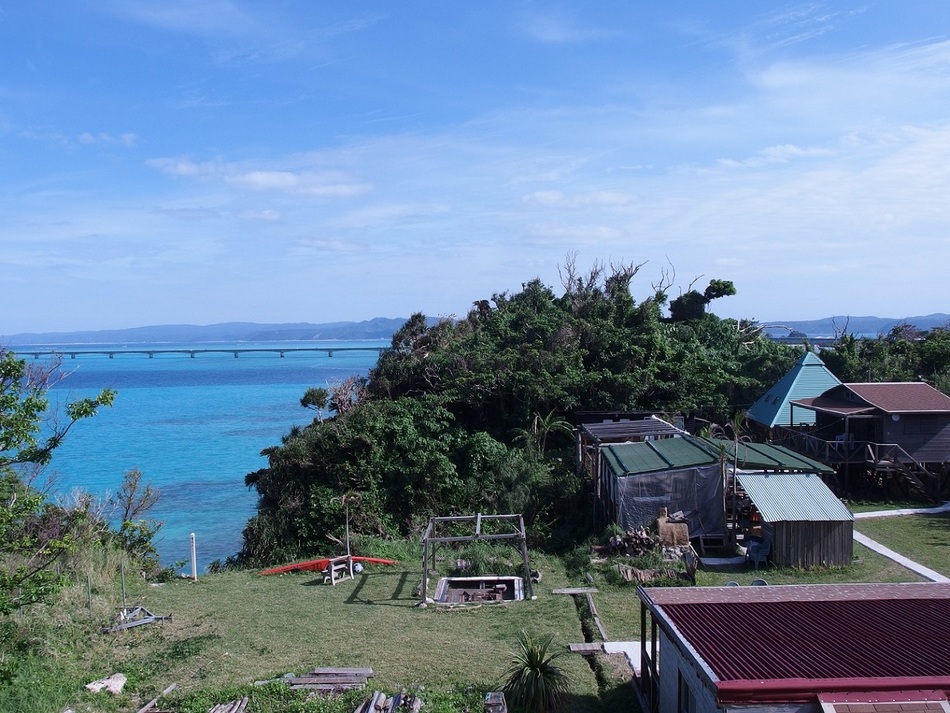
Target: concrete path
[[907, 511], [924, 572]]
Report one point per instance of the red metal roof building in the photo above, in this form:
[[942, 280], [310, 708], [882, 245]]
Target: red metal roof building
[[806, 648], [898, 430]]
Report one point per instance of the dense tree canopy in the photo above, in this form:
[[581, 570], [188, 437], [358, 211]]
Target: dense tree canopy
[[472, 415]]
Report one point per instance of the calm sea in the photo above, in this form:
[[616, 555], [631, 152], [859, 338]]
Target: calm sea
[[194, 426]]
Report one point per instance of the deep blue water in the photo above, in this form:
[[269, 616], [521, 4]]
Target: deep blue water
[[194, 427]]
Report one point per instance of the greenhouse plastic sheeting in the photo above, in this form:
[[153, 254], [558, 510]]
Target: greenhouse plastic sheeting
[[697, 492]]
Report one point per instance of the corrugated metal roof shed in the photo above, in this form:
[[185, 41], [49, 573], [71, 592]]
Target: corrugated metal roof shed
[[765, 456], [793, 497], [629, 430], [689, 451], [808, 378], [652, 456]]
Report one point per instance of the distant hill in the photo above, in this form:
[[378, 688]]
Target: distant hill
[[378, 328], [858, 326], [384, 328]]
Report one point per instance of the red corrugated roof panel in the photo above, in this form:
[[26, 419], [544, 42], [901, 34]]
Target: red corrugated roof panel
[[786, 643], [842, 639]]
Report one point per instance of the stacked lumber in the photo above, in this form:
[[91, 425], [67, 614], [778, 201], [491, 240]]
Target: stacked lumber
[[331, 679], [238, 706], [379, 702]]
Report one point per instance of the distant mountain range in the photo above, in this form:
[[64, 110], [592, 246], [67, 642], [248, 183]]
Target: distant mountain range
[[384, 328], [858, 326], [378, 328]]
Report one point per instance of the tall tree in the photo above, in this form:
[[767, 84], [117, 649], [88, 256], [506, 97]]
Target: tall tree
[[34, 533]]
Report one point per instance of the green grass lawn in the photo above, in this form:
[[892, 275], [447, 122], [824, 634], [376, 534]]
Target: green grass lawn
[[927, 536], [232, 629]]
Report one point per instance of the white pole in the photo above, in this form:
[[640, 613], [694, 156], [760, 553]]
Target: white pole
[[194, 560]]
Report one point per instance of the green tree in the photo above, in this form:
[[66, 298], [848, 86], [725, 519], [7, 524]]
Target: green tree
[[34, 533], [692, 304], [29, 433]]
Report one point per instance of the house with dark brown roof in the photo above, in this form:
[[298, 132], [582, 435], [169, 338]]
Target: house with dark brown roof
[[897, 431], [846, 648]]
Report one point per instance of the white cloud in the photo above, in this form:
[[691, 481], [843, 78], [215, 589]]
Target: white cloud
[[320, 184], [103, 137], [584, 199], [217, 17], [268, 215], [553, 27], [310, 246], [183, 167]]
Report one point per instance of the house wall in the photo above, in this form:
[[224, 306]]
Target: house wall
[[926, 437], [671, 664], [812, 544]]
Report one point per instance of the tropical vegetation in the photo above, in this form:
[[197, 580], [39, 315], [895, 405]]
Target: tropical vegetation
[[475, 414]]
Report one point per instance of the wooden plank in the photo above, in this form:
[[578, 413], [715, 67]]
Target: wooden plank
[[151, 704], [575, 590], [586, 648], [335, 680], [339, 671], [327, 686], [593, 611]]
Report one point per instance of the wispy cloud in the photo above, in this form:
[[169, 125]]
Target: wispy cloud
[[315, 183], [553, 26], [214, 17], [104, 137]]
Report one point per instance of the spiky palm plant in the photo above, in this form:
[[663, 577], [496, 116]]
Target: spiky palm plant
[[534, 682]]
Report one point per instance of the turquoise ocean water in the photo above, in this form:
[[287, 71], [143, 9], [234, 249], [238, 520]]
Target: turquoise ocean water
[[194, 427]]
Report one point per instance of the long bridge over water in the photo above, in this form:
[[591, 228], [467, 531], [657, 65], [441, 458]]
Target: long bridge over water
[[236, 351]]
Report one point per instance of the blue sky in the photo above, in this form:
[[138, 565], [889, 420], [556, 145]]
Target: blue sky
[[189, 161]]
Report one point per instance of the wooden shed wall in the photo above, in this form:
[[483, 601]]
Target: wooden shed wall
[[812, 544]]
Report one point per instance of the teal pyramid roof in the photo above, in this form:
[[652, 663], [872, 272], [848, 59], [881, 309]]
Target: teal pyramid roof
[[807, 379]]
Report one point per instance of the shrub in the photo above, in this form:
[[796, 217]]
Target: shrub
[[535, 683]]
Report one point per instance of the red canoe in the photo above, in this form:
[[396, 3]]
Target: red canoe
[[318, 565]]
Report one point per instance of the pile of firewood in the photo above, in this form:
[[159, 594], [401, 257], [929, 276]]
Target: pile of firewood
[[633, 543]]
